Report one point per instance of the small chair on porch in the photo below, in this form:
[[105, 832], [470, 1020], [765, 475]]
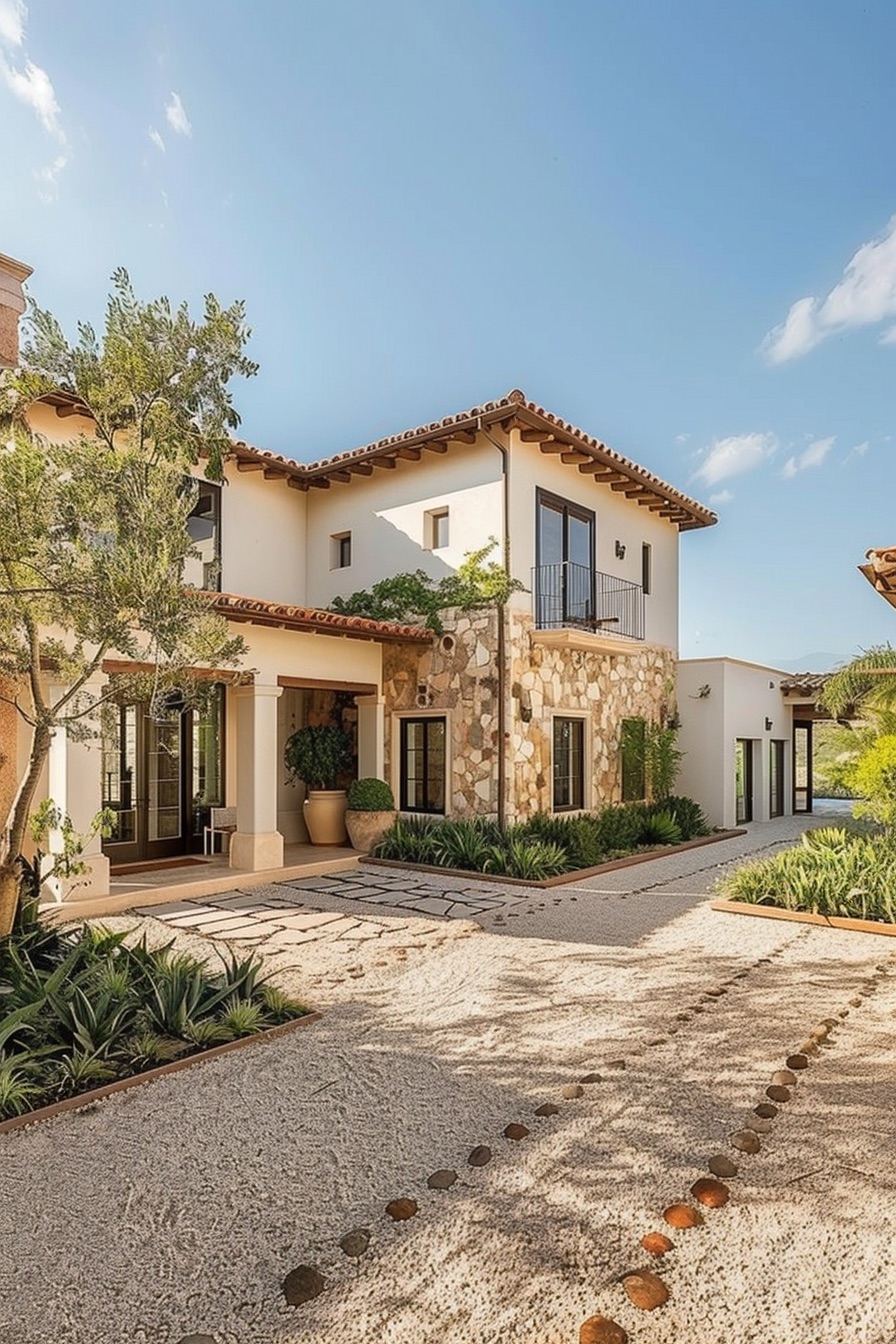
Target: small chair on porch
[[221, 821]]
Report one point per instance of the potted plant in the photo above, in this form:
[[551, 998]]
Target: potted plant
[[371, 811], [317, 755]]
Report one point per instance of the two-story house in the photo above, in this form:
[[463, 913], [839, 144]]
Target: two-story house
[[506, 712]]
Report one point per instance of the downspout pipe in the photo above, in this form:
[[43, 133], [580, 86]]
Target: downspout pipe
[[501, 652]]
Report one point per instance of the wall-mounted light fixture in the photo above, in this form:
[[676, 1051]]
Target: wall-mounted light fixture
[[768, 725], [771, 685], [620, 550]]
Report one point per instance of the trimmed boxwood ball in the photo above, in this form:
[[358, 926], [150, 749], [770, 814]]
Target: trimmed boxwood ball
[[317, 755], [370, 795]]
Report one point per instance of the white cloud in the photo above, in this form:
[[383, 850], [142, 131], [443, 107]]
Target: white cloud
[[733, 456], [857, 450], [865, 296], [156, 138], [721, 497], [34, 87], [12, 22], [176, 116], [47, 177], [813, 456], [682, 438]]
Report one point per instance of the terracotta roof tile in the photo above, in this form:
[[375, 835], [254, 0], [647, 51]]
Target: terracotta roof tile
[[805, 683], [260, 612], [689, 513], [880, 571]]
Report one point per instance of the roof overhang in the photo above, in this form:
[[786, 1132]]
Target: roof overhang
[[284, 616]]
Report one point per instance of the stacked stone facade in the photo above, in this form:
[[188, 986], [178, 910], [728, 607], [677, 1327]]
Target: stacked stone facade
[[458, 676]]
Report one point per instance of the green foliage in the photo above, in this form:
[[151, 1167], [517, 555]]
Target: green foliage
[[543, 845], [874, 779], [93, 532], [662, 760], [415, 598], [833, 871], [868, 685], [317, 755], [79, 1009], [660, 828], [370, 795]]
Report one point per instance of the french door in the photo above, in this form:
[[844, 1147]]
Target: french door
[[564, 573]]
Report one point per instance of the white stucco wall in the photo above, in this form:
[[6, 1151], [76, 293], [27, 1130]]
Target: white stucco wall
[[742, 697], [617, 519], [386, 516], [262, 537]]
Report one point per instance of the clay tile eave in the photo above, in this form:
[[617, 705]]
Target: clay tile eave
[[288, 616]]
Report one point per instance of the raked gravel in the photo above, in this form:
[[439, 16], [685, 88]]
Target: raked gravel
[[179, 1207]]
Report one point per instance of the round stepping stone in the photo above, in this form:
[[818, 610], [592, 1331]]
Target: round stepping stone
[[765, 1110], [480, 1156], [831, 1022], [591, 1078], [844, 1013], [784, 1078], [571, 1091], [711, 1194], [656, 1243], [757, 1124], [797, 1062], [809, 1048], [855, 1003], [196, 1339], [355, 1243], [820, 1033], [302, 1284], [616, 1064], [547, 1108], [682, 1017], [682, 1215], [516, 1132], [442, 1179], [717, 992], [601, 1330], [746, 1141], [776, 1093], [399, 1210], [721, 1165], [645, 1290]]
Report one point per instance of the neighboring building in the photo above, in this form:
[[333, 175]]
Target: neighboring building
[[489, 718], [746, 734]]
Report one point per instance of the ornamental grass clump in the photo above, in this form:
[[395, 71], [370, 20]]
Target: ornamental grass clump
[[833, 871], [82, 1008]]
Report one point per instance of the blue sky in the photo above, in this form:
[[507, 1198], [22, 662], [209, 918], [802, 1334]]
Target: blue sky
[[671, 224]]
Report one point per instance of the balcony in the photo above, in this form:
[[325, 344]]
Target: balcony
[[571, 597]]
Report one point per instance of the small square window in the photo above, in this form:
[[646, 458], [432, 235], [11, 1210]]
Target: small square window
[[436, 529], [341, 550]]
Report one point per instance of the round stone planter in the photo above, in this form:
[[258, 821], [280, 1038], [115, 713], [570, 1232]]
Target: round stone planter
[[324, 811], [366, 829]]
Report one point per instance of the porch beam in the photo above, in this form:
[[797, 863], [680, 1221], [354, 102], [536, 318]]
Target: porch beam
[[324, 684]]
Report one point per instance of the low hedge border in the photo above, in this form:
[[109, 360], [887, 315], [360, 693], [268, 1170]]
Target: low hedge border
[[562, 879], [806, 917], [84, 1100]]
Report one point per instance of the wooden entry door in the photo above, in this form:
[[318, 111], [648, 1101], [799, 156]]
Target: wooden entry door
[[144, 784]]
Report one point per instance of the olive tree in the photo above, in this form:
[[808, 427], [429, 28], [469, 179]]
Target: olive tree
[[94, 540]]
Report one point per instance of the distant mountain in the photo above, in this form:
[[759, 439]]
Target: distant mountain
[[813, 662]]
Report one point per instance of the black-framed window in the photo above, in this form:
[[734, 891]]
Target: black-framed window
[[204, 527], [422, 768], [569, 764], [631, 750], [646, 566], [564, 560]]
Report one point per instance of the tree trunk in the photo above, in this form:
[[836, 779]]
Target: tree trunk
[[10, 887]]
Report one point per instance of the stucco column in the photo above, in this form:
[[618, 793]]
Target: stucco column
[[371, 736], [256, 844], [75, 785]]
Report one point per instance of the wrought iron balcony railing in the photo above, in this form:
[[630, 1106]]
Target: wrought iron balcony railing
[[570, 596]]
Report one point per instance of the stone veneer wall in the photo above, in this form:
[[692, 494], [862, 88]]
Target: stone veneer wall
[[458, 676]]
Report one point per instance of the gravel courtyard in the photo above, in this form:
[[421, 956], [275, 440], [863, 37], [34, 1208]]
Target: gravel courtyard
[[450, 1012]]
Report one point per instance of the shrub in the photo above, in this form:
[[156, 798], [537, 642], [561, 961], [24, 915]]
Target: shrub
[[687, 815], [370, 795], [660, 828], [409, 840], [620, 829], [530, 860], [317, 755], [874, 778]]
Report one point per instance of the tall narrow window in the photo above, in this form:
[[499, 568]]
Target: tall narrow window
[[646, 566], [631, 749], [436, 529], [564, 573], [422, 770], [340, 550], [776, 778], [569, 764], [204, 527]]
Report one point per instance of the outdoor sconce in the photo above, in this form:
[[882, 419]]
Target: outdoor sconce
[[768, 725], [620, 550]]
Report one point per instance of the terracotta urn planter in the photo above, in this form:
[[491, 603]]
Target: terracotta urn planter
[[366, 829], [324, 811]]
